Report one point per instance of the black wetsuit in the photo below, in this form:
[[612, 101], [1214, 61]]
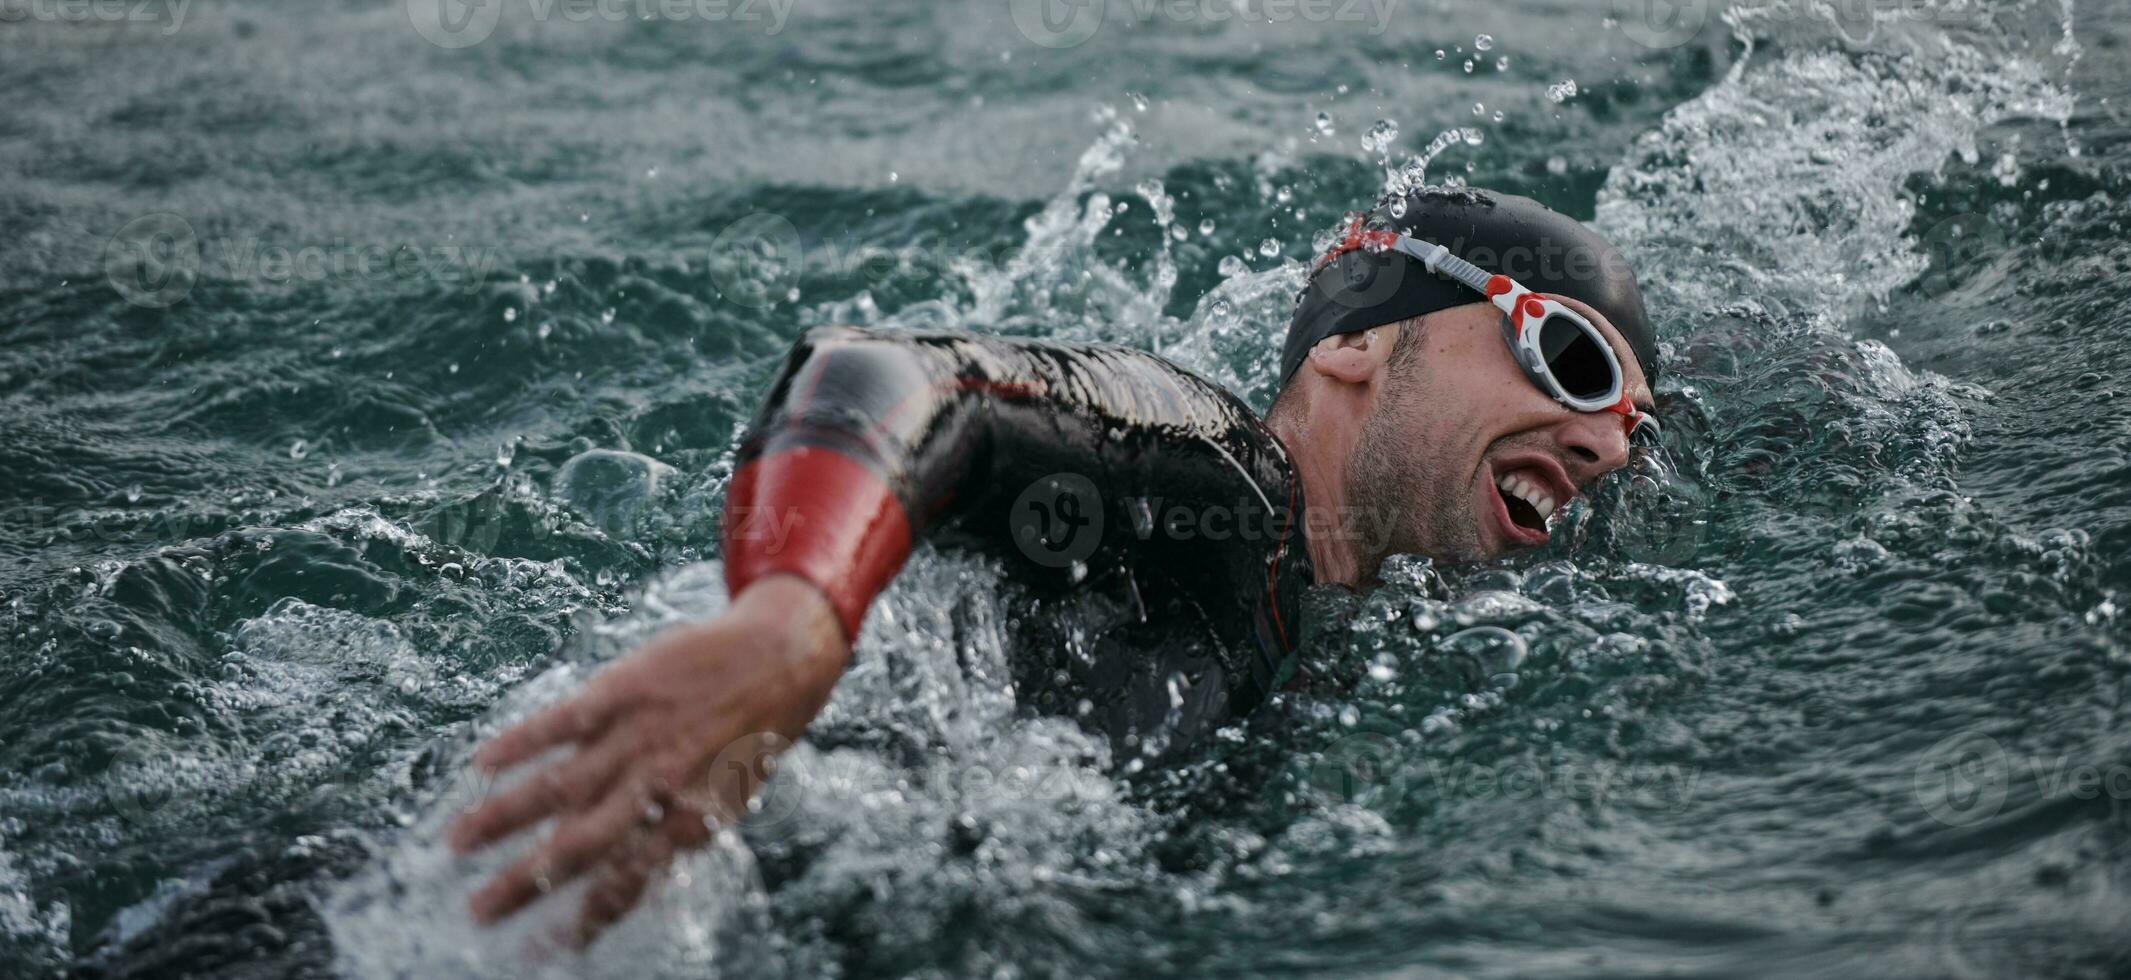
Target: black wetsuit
[[1148, 515]]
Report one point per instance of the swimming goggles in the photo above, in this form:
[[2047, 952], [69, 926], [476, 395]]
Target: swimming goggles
[[1559, 350]]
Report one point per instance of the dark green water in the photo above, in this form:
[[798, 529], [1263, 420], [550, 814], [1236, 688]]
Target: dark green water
[[291, 516]]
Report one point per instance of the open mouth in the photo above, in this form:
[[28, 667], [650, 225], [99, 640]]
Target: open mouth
[[1527, 500]]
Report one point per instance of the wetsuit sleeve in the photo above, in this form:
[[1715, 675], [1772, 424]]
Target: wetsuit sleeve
[[868, 442]]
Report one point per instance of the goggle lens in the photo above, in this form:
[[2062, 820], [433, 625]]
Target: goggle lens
[[1575, 359]]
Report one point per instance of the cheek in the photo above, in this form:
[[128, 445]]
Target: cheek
[[1473, 385]]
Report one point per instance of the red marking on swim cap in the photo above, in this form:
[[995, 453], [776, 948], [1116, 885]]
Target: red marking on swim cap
[[821, 515]]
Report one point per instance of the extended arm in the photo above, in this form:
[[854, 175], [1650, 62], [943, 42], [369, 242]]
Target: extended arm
[[865, 444]]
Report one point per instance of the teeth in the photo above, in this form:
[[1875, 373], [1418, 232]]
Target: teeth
[[1527, 491]]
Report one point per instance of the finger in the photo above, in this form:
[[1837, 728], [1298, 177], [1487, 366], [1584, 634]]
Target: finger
[[570, 785], [576, 843], [575, 720], [622, 882], [618, 888]]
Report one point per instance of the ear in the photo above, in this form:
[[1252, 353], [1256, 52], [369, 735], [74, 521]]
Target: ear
[[1354, 358]]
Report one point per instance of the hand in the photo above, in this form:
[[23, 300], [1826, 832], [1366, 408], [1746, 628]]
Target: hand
[[639, 788]]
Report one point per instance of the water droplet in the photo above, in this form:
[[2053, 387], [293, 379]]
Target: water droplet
[[1439, 54], [1269, 248], [1324, 123], [299, 449], [1479, 108], [1483, 42], [1177, 232], [133, 494], [1380, 136], [1231, 267], [1139, 101], [1473, 137], [1561, 91], [1468, 66], [1497, 116], [606, 316], [1557, 165], [510, 314], [1349, 716], [1502, 63], [893, 176], [1206, 226], [454, 367]]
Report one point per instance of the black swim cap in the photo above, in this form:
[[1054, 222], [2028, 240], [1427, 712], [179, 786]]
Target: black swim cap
[[1504, 234]]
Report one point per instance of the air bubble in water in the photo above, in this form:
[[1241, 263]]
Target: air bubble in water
[[1468, 66], [510, 314], [1557, 166], [1439, 54], [1473, 137], [1502, 63], [1206, 226], [1324, 123], [606, 316], [1269, 248], [133, 494], [1479, 108], [1139, 102], [1231, 267], [1561, 91], [299, 449], [1398, 207], [1483, 42]]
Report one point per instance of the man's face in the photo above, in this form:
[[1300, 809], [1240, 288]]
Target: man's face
[[1464, 458]]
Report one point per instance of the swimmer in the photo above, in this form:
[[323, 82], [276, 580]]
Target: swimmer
[[1461, 365]]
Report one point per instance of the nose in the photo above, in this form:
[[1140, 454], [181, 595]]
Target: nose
[[1593, 443]]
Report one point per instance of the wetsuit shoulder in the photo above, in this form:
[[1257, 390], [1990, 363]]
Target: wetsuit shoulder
[[1071, 461]]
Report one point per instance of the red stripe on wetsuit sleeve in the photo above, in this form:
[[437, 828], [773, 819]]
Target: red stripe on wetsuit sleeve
[[821, 515]]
